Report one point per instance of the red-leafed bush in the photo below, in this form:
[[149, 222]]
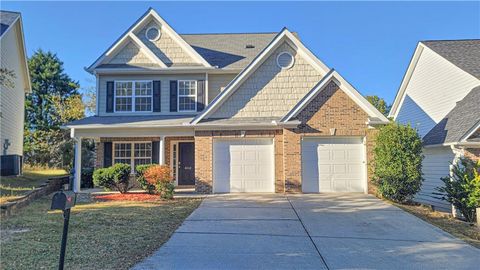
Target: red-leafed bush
[[161, 177]]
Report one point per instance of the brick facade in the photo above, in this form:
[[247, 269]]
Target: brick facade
[[204, 155], [472, 153], [331, 109]]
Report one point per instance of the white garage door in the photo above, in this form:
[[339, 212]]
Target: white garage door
[[243, 165], [333, 165]]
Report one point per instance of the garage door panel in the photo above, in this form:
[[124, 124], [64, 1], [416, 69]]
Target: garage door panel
[[250, 166], [338, 165]]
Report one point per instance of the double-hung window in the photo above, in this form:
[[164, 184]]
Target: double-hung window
[[133, 96], [187, 96], [133, 153]]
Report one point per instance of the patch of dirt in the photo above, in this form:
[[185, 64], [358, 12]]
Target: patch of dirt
[[136, 197]]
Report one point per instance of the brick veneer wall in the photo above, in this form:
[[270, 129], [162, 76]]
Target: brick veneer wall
[[332, 108], [472, 153], [204, 155]]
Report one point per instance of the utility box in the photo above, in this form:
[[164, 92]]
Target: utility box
[[63, 200]]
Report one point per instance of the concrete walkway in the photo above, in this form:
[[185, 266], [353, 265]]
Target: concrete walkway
[[308, 231]]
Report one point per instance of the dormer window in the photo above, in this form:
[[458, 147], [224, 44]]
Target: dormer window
[[133, 96]]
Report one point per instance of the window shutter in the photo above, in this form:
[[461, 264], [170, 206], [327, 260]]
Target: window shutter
[[155, 152], [157, 96], [173, 96], [107, 154], [200, 95], [109, 99]]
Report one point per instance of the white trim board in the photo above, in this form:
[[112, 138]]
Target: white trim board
[[284, 35], [151, 13], [346, 87]]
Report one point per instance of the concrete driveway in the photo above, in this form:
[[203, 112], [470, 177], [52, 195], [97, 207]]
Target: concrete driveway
[[308, 231]]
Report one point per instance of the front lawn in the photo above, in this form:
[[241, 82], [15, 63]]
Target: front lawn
[[102, 234], [13, 187], [468, 232]]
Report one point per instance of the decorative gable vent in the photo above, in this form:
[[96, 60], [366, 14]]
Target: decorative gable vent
[[153, 33], [285, 60], [249, 46]]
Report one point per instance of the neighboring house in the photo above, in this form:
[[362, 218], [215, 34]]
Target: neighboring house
[[229, 112], [440, 96], [15, 83]]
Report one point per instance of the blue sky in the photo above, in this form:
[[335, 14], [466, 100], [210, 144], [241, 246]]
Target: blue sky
[[369, 43]]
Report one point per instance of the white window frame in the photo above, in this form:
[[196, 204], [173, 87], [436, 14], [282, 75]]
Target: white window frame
[[194, 95], [132, 152], [133, 96]]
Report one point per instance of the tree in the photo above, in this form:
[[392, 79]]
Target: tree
[[54, 101], [398, 162], [48, 79], [462, 188], [379, 103]]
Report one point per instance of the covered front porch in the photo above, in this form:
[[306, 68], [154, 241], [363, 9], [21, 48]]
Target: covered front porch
[[171, 145]]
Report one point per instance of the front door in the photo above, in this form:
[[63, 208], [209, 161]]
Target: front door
[[186, 163]]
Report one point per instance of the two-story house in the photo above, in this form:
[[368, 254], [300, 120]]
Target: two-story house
[[253, 112], [14, 84], [440, 97]]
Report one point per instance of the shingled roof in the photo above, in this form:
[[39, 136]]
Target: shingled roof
[[462, 118], [229, 50], [7, 18], [465, 54]]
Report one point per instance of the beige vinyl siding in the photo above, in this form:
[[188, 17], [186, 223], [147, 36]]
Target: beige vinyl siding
[[271, 91], [435, 166], [130, 54], [165, 91], [217, 82], [12, 99], [165, 47], [435, 87]]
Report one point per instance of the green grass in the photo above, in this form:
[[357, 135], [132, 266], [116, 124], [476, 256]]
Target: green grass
[[13, 187], [102, 235]]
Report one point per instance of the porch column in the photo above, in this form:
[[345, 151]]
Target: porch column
[[78, 164], [161, 158]]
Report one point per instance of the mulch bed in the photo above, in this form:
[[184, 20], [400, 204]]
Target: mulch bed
[[135, 197]]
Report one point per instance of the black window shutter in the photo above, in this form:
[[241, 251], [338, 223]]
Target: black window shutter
[[107, 154], [109, 97], [157, 96], [200, 95], [173, 96], [155, 152]]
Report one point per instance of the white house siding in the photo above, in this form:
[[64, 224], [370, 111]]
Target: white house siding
[[435, 87], [271, 91], [130, 54], [216, 83], [435, 166], [12, 100], [165, 91], [166, 49]]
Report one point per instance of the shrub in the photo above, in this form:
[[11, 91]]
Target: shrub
[[140, 171], [398, 162], [114, 177], [161, 177], [87, 180], [462, 189]]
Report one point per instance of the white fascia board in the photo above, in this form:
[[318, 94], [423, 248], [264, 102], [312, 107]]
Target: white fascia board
[[346, 87], [146, 50], [139, 23], [397, 103], [470, 132], [180, 41], [159, 70], [284, 35]]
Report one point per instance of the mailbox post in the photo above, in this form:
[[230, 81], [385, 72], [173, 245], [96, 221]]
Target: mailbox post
[[64, 200]]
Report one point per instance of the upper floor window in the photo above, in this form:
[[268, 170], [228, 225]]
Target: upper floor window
[[133, 96], [187, 96]]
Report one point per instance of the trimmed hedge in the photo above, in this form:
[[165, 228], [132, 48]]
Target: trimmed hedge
[[139, 175], [114, 177]]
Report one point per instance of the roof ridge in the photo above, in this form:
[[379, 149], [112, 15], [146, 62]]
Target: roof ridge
[[243, 33], [440, 40], [16, 12]]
